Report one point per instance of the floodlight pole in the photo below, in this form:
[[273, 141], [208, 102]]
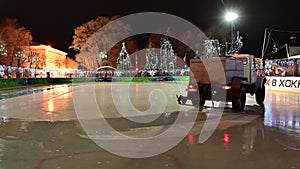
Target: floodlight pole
[[231, 32], [231, 17], [264, 43]]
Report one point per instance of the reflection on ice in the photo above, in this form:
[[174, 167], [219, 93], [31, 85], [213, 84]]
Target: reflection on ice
[[51, 103], [282, 111], [290, 127], [242, 140]]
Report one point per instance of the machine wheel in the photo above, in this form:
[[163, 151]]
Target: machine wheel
[[205, 94], [260, 95], [202, 102], [239, 104]]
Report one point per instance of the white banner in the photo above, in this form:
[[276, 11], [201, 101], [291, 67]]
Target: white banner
[[289, 84]]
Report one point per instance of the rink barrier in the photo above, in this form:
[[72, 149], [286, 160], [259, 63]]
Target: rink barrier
[[11, 83], [289, 84]]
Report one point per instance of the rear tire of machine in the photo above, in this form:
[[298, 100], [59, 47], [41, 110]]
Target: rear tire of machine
[[239, 104]]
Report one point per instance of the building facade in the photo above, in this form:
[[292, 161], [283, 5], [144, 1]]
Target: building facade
[[48, 57]]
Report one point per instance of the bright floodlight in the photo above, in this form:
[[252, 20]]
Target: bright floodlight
[[231, 16]]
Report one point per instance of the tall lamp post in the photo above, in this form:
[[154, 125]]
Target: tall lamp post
[[231, 17]]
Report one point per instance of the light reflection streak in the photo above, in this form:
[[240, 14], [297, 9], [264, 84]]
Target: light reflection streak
[[136, 89], [50, 105], [282, 111], [54, 100], [226, 140]]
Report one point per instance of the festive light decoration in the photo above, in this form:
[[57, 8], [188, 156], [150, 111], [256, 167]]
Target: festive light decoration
[[275, 49], [3, 50], [102, 56], [167, 56], [268, 68], [151, 59], [124, 61], [212, 48], [235, 45], [19, 53]]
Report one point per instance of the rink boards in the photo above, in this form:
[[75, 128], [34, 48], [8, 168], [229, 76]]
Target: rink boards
[[284, 84]]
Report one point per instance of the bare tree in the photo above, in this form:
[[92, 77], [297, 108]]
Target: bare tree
[[20, 55], [39, 60], [32, 58], [59, 63]]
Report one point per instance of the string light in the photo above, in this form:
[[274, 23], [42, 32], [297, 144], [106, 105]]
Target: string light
[[3, 50]]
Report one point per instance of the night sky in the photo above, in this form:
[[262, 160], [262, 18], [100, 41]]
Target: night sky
[[52, 22]]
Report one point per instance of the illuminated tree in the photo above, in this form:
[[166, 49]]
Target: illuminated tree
[[179, 48], [124, 61], [32, 58], [86, 30], [15, 38], [20, 55], [3, 50], [151, 59], [89, 42], [167, 55]]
